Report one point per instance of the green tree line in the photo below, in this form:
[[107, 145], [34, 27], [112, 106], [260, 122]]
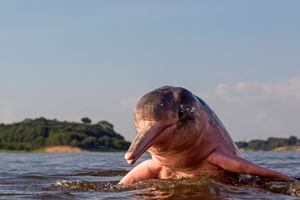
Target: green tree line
[[32, 134], [269, 144]]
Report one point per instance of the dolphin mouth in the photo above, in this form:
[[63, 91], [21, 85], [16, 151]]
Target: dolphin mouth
[[143, 142]]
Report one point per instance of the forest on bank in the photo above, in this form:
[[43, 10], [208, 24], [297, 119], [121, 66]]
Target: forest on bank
[[33, 134], [272, 143]]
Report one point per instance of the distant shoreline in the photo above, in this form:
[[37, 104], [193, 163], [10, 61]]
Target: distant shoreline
[[70, 149], [291, 143], [278, 149], [56, 150], [43, 135]]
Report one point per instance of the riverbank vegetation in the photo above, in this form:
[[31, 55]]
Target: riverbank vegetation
[[36, 134], [271, 144]]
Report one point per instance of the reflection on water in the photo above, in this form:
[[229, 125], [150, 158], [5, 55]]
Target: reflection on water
[[95, 175]]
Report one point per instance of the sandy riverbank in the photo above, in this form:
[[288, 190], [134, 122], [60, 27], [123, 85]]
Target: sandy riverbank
[[288, 148], [62, 149]]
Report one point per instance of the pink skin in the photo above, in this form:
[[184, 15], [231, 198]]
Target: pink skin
[[202, 146]]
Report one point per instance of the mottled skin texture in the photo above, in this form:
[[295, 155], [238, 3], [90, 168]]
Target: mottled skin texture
[[185, 138]]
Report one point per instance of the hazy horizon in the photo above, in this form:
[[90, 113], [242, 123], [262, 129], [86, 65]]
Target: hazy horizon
[[71, 59]]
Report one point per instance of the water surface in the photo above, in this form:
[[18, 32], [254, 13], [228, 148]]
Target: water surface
[[92, 175]]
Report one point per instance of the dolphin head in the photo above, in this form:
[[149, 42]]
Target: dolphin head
[[158, 115]]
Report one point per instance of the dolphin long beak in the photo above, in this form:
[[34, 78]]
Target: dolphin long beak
[[142, 143]]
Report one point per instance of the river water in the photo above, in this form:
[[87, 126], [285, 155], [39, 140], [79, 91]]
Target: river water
[[94, 175]]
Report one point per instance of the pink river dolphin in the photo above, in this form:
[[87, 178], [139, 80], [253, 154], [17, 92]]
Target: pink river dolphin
[[185, 139]]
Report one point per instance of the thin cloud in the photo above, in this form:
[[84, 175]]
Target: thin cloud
[[7, 116], [258, 109], [130, 102]]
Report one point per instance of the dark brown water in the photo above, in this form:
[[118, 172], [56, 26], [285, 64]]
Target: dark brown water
[[95, 176]]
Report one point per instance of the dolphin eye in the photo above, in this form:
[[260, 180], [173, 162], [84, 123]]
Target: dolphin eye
[[180, 114], [185, 113]]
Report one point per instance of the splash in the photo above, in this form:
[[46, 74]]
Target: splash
[[187, 187], [79, 186]]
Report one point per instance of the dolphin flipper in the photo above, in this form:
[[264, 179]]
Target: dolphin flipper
[[148, 169], [239, 165]]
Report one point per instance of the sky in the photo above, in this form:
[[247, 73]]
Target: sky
[[71, 59]]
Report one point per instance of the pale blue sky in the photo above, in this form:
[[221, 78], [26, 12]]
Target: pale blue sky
[[70, 59]]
